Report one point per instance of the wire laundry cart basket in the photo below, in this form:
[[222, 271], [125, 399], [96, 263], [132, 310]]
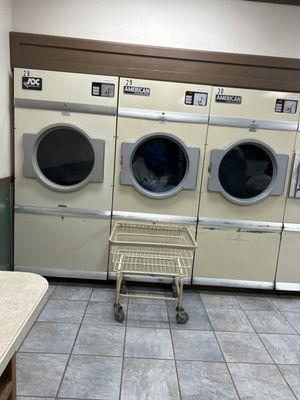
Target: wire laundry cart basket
[[152, 250]]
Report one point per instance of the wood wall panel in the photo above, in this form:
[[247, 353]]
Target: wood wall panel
[[148, 62]]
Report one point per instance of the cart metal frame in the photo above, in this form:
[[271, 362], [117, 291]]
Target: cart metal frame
[[152, 250]]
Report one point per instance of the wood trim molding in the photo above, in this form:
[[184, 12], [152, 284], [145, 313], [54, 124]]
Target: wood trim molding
[[282, 2], [8, 179], [148, 62]]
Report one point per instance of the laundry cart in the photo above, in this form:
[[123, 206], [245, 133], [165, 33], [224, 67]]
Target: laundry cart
[[152, 250]]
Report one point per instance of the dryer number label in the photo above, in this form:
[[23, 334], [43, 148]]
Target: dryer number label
[[286, 106], [136, 90], [229, 99], [31, 83], [195, 98]]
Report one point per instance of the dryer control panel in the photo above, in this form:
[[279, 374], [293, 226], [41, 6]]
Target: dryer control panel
[[286, 106], [195, 98], [65, 91], [103, 89]]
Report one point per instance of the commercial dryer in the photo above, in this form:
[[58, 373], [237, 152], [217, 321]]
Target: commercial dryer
[[249, 150], [161, 136], [64, 150], [288, 271]]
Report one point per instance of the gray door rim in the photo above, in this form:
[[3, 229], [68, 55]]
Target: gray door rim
[[180, 186], [265, 193], [41, 177]]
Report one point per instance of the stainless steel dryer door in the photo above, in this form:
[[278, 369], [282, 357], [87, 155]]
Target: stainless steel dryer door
[[63, 157], [247, 172], [159, 165]]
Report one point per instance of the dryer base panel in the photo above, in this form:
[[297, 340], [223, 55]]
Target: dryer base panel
[[61, 246], [288, 272], [236, 258]]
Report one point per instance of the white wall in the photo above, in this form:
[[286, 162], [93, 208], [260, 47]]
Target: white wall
[[5, 133], [219, 25]]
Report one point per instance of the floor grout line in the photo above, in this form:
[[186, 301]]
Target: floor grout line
[[70, 355], [174, 354], [124, 347], [253, 327], [233, 383], [55, 322], [171, 329], [272, 358], [286, 317], [157, 358], [38, 397]]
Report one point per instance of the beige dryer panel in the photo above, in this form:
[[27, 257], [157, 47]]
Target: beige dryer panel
[[214, 205], [32, 192], [168, 98], [255, 104], [235, 255], [164, 96], [259, 107], [64, 87], [127, 198], [292, 211], [94, 115], [72, 245], [288, 272]]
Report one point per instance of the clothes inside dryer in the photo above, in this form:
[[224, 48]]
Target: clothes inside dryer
[[159, 164], [65, 156], [246, 171]]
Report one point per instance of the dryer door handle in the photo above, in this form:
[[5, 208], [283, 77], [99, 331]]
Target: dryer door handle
[[298, 179], [295, 179]]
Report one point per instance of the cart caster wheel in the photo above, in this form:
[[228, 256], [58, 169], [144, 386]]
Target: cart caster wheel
[[182, 317], [119, 314]]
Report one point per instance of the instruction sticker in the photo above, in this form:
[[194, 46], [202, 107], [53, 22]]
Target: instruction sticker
[[136, 90], [195, 98], [31, 83], [103, 89], [229, 99], [286, 106]]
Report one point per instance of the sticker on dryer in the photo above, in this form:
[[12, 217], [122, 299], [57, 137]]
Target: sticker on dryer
[[31, 83], [286, 106], [195, 98], [136, 90], [229, 99], [103, 89]]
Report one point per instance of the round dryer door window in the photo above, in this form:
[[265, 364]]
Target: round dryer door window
[[65, 156], [246, 171], [159, 165]]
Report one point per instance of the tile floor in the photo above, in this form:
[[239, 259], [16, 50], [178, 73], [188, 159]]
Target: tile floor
[[235, 346]]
